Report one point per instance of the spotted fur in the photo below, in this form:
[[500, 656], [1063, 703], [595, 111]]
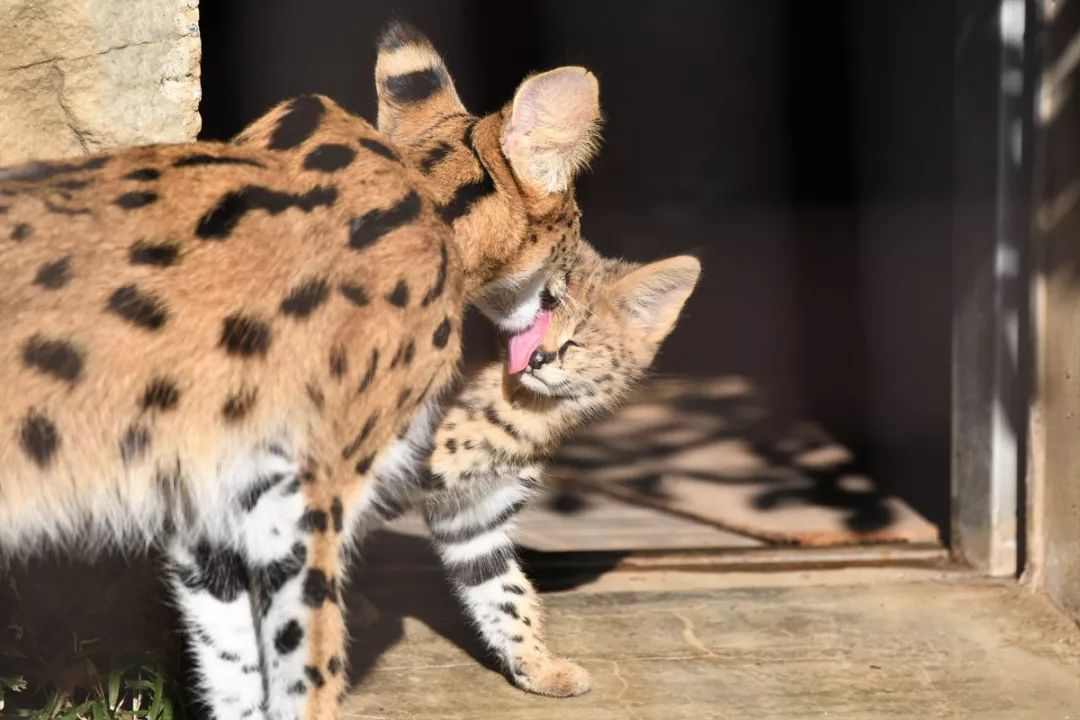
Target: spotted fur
[[218, 345]]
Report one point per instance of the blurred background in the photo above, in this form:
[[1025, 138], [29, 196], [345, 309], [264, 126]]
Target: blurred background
[[803, 150]]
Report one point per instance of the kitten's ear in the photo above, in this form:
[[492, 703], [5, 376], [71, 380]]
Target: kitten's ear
[[552, 128], [415, 90], [654, 294]]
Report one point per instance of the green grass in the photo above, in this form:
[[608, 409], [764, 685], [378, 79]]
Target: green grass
[[123, 689], [44, 676]]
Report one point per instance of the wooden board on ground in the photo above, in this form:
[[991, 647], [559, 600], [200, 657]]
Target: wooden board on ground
[[710, 450]]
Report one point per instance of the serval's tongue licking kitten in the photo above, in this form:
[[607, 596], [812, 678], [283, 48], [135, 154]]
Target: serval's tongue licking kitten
[[581, 357]]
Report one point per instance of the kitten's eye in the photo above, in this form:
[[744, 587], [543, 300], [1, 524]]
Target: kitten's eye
[[547, 300], [566, 346]]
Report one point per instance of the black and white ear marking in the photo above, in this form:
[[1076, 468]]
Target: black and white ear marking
[[414, 87]]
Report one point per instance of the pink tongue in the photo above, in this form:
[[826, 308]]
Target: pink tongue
[[525, 342]]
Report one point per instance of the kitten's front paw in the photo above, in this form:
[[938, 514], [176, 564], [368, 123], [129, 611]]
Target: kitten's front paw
[[555, 677]]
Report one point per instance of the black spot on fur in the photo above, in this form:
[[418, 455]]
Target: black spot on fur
[[143, 174], [492, 416], [515, 589], [316, 588], [349, 450], [58, 358], [517, 638], [20, 232], [339, 361], [245, 335], [305, 298], [415, 86], [288, 637], [527, 620], [273, 576], [313, 520], [397, 35], [480, 570], [355, 294], [161, 394], [204, 159], [369, 374], [404, 354], [451, 446], [379, 149], [299, 121], [314, 676], [334, 666], [254, 492], [373, 224], [220, 221], [39, 438], [510, 609], [434, 156], [219, 570], [134, 443], [297, 688], [364, 464], [54, 275], [133, 200], [442, 334], [329, 157], [315, 394], [399, 296], [403, 397], [61, 210], [467, 195], [71, 184], [34, 171], [440, 279], [238, 404], [336, 514], [158, 254], [228, 656], [138, 307]]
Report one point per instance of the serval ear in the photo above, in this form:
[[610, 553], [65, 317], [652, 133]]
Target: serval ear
[[653, 295], [552, 128], [415, 90]]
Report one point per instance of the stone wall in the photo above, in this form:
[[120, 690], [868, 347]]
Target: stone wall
[[81, 76]]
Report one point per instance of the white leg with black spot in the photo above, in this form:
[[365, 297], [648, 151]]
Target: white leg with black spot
[[275, 529], [210, 587]]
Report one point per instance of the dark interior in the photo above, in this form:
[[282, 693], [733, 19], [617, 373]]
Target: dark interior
[[803, 150]]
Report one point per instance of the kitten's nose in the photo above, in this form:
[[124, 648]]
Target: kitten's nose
[[540, 358]]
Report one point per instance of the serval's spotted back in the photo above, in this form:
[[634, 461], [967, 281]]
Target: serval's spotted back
[[219, 344]]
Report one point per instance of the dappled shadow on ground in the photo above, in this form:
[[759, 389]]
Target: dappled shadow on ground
[[399, 578], [713, 449]]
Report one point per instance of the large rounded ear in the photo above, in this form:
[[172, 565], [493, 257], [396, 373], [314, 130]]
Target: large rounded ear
[[552, 129], [414, 88], [653, 295]]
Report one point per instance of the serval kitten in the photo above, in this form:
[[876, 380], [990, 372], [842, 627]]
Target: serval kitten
[[490, 448]]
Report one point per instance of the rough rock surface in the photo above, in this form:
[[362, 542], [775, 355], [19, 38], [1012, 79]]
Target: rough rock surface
[[81, 76]]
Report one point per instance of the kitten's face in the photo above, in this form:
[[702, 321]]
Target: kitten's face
[[608, 327]]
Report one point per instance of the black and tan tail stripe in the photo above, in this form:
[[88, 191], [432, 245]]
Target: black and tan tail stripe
[[413, 84]]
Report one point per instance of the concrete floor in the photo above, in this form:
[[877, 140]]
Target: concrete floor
[[869, 643]]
